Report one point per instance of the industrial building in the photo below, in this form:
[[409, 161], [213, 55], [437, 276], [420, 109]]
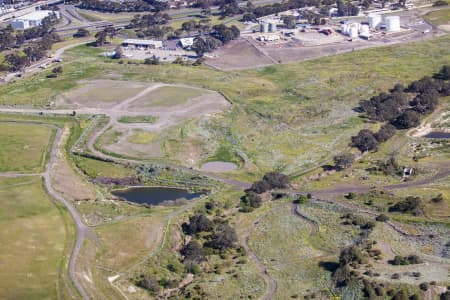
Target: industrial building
[[32, 19], [146, 44]]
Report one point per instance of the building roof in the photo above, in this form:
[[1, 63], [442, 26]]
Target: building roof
[[36, 15], [186, 42], [141, 42]]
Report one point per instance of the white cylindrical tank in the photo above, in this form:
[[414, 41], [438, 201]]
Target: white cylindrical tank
[[344, 29], [374, 20], [392, 23], [353, 32], [264, 27], [272, 26], [364, 30]]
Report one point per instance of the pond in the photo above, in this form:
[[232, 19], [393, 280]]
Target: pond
[[154, 195], [438, 135]]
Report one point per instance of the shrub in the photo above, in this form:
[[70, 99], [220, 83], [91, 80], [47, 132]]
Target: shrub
[[407, 119], [382, 218], [192, 252], [409, 204], [424, 286], [344, 161], [438, 199]]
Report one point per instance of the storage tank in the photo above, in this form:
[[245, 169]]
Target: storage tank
[[392, 23], [353, 32], [374, 20], [364, 30], [264, 27], [344, 29], [272, 26]]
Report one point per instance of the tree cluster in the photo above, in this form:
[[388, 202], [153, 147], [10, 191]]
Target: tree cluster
[[344, 161], [406, 260], [220, 34], [34, 51], [123, 6], [272, 180], [10, 38], [401, 108]]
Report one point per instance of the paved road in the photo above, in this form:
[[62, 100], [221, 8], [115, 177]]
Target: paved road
[[46, 61]]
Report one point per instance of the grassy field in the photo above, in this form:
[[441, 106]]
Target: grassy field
[[95, 168], [23, 147], [439, 17], [33, 241]]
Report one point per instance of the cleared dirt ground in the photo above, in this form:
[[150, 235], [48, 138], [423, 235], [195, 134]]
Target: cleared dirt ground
[[99, 93], [238, 54]]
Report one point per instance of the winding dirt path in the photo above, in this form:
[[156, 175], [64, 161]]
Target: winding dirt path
[[313, 224], [270, 282]]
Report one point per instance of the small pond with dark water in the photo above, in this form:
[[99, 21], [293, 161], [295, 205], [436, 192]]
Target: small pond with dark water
[[154, 195], [437, 135]]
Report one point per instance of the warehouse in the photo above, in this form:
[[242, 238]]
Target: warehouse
[[146, 44], [32, 19]]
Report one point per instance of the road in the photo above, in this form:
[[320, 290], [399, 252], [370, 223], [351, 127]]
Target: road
[[34, 68]]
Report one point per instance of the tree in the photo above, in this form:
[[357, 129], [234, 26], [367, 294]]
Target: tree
[[385, 132], [118, 53], [192, 252], [344, 161], [199, 46], [410, 203], [289, 21], [407, 119], [100, 38], [224, 237], [365, 141], [16, 62], [277, 180], [82, 32], [197, 223]]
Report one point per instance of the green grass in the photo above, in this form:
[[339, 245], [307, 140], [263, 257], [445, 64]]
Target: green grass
[[138, 119], [281, 109], [169, 96], [95, 168], [142, 138], [439, 17], [23, 147], [33, 240]]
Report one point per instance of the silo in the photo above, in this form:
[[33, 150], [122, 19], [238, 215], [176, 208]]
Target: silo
[[264, 27], [392, 23], [344, 29], [353, 32], [272, 26], [374, 20]]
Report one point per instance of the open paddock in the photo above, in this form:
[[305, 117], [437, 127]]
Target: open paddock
[[23, 147], [33, 240]]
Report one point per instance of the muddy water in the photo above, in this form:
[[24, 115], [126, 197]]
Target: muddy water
[[438, 135], [154, 195]]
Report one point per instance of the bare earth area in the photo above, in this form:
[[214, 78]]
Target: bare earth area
[[219, 166]]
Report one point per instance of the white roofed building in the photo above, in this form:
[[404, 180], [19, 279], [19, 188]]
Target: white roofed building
[[187, 43], [32, 19], [149, 44]]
